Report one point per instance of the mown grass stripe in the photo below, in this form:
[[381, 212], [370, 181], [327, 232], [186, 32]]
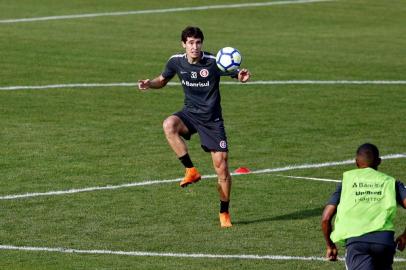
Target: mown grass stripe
[[155, 182]]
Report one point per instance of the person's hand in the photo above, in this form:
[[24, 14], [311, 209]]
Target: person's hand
[[244, 75], [401, 241], [144, 84], [331, 253]]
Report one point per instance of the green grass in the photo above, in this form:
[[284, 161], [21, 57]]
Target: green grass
[[84, 137]]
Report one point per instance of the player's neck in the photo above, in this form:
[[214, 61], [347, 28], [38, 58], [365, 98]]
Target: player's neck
[[193, 60]]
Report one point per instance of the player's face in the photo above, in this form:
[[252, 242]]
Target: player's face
[[193, 47]]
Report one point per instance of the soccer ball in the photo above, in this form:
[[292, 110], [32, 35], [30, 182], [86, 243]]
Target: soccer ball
[[228, 59]]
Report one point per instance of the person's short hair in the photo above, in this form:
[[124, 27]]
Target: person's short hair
[[192, 31], [369, 153]]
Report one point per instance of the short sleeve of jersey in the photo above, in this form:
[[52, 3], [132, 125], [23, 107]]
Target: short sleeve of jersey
[[335, 197], [170, 69], [400, 192]]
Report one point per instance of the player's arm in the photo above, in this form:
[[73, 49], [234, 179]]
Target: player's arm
[[326, 227], [400, 193], [155, 83], [401, 198], [329, 211]]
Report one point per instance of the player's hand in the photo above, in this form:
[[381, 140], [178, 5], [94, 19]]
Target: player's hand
[[144, 84], [244, 75], [401, 242], [331, 253]]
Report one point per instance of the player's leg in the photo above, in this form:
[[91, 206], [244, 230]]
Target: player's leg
[[358, 256], [383, 256], [220, 163], [175, 128], [214, 140]]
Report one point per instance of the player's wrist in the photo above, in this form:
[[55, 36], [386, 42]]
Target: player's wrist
[[151, 84], [330, 244]]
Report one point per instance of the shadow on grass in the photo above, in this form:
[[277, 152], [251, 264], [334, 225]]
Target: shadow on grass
[[302, 214]]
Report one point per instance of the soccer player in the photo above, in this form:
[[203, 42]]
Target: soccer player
[[365, 208], [202, 114]]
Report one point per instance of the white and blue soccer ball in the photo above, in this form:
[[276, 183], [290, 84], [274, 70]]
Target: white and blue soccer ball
[[228, 59]]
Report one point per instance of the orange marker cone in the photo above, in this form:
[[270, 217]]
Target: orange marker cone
[[242, 170]]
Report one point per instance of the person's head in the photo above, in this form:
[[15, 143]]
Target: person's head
[[192, 40], [192, 32], [368, 156]]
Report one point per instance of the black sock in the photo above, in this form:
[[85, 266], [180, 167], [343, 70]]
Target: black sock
[[224, 206], [186, 161]]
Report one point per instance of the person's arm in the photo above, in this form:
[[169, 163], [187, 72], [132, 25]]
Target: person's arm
[[401, 193], [328, 214], [160, 81], [401, 196], [155, 83]]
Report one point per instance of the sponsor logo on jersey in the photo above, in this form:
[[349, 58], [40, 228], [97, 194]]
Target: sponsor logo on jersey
[[198, 84], [223, 144], [204, 73]]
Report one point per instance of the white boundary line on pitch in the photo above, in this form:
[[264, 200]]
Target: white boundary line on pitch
[[170, 254], [124, 84], [308, 178], [154, 182], [163, 254], [157, 11]]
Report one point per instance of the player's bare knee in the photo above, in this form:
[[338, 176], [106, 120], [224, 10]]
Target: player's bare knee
[[220, 164], [169, 126]]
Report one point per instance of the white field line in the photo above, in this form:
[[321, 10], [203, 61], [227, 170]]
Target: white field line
[[155, 182], [159, 254], [124, 84], [325, 82], [157, 11], [170, 254], [321, 165], [308, 178]]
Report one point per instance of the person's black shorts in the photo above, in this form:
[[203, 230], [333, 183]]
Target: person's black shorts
[[212, 133], [368, 256]]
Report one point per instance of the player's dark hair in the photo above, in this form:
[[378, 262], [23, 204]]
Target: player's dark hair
[[369, 152], [192, 31]]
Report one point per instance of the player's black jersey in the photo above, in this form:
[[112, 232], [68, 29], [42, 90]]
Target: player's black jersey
[[200, 84]]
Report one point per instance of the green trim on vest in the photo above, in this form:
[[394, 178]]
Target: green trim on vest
[[367, 204]]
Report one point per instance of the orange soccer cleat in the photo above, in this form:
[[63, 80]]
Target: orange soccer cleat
[[225, 220], [191, 176]]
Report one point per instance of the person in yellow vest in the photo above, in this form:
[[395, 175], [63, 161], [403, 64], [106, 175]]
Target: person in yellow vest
[[365, 207]]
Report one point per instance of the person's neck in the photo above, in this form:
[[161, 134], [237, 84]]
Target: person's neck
[[193, 60], [372, 167]]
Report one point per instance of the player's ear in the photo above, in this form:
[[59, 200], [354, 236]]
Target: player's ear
[[183, 45], [357, 162]]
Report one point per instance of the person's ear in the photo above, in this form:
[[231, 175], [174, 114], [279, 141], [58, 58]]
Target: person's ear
[[378, 161], [183, 45], [356, 162]]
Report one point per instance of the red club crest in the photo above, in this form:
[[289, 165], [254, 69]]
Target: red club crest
[[204, 73]]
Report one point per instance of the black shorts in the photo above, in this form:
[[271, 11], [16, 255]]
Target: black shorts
[[367, 256], [212, 133]]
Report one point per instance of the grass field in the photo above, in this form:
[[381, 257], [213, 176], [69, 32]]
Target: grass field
[[80, 137]]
